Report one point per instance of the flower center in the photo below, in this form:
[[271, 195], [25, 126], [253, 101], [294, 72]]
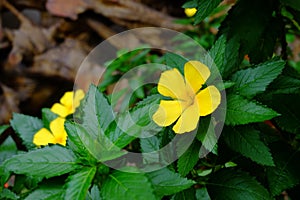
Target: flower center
[[70, 108], [60, 140], [191, 100], [190, 97]]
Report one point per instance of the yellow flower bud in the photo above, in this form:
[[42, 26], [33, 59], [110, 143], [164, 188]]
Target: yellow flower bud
[[190, 12]]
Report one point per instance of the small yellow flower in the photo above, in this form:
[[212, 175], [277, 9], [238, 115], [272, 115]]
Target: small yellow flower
[[67, 106], [190, 12], [58, 135], [189, 100]]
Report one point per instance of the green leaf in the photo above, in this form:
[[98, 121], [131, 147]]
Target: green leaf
[[26, 127], [216, 60], [243, 111], [204, 172], [246, 23], [46, 192], [83, 143], [94, 194], [46, 162], [267, 42], [89, 139], [204, 8], [108, 80], [202, 194], [175, 61], [232, 57], [97, 113], [125, 61], [280, 179], [122, 185], [295, 19], [246, 141], [285, 85], [223, 56], [77, 139], [188, 194], [235, 185], [133, 124], [166, 182], [47, 117], [217, 55], [285, 174], [136, 83], [117, 135], [7, 194], [7, 149], [288, 106], [252, 81], [190, 4], [206, 134], [150, 146], [3, 128], [189, 159], [29, 181], [292, 3], [79, 183]]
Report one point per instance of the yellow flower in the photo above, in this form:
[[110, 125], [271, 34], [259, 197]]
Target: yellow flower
[[58, 135], [190, 101], [67, 106], [190, 12]]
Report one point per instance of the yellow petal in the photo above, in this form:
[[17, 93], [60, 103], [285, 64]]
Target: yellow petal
[[188, 120], [190, 12], [196, 73], [61, 110], [167, 112], [79, 95], [43, 137], [67, 99], [171, 84], [208, 100], [58, 131]]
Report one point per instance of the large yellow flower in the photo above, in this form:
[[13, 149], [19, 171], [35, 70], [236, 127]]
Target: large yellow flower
[[58, 135], [190, 101], [67, 106]]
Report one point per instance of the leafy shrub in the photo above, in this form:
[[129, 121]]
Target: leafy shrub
[[256, 156]]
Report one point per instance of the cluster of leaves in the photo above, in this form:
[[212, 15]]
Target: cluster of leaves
[[81, 163], [256, 156], [261, 133]]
